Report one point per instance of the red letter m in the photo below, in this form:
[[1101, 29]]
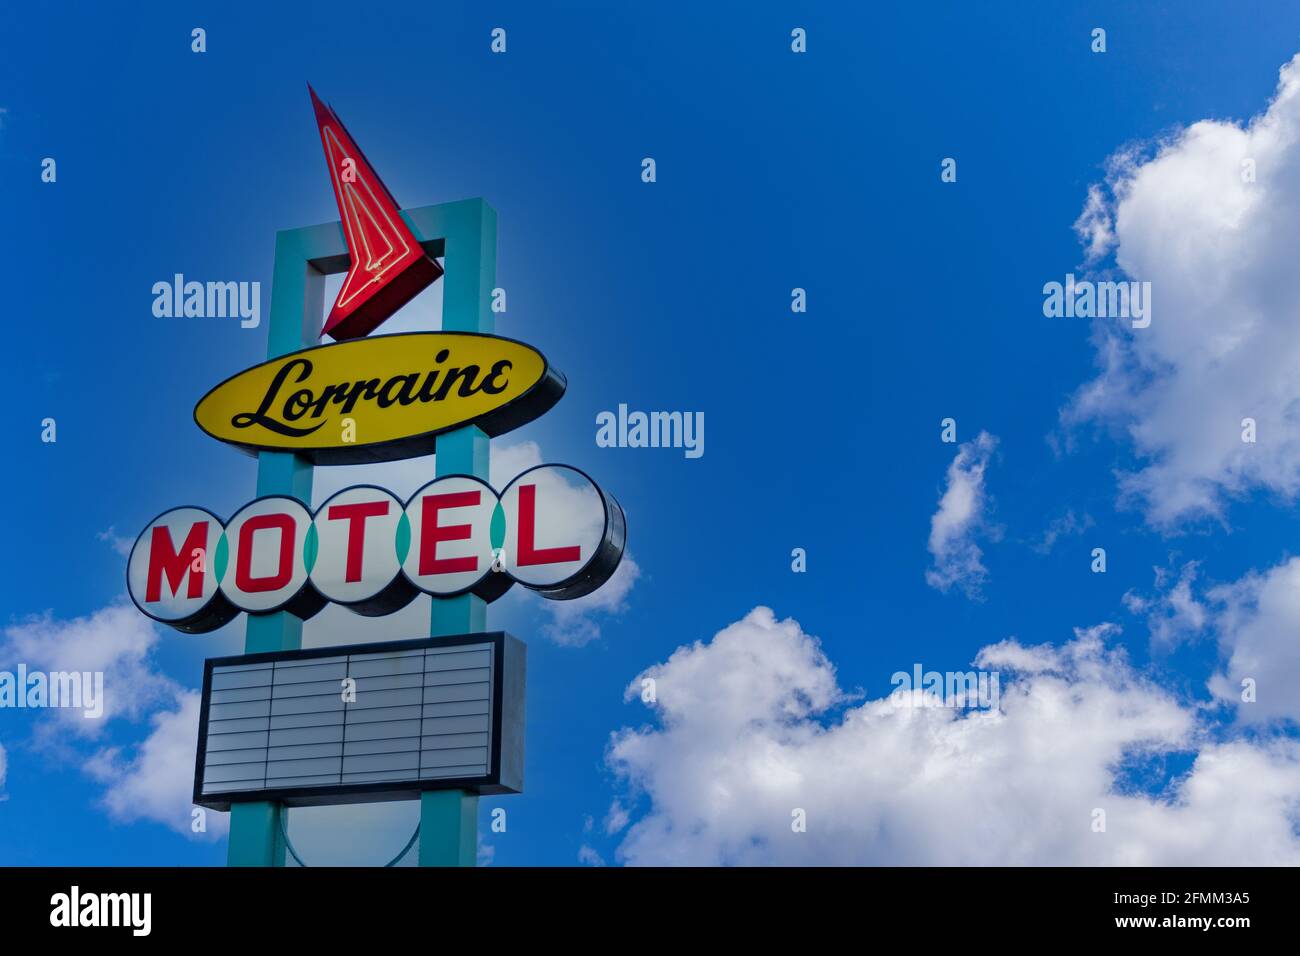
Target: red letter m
[[164, 559]]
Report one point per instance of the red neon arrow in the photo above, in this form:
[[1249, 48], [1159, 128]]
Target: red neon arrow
[[388, 267]]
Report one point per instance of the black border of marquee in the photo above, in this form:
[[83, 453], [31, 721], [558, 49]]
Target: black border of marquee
[[509, 654], [535, 401]]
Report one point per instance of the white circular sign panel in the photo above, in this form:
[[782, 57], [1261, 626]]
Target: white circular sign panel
[[267, 568], [450, 546], [564, 535], [169, 573], [356, 556]]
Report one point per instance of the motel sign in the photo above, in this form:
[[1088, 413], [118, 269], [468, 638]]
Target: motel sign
[[438, 717]]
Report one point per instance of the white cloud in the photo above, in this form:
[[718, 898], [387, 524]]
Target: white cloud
[[749, 730], [617, 818], [1174, 614], [1254, 620], [1094, 226], [577, 622], [152, 780], [960, 518], [1257, 620], [1222, 343], [115, 541], [589, 857], [1067, 525], [507, 461], [155, 781], [116, 640]]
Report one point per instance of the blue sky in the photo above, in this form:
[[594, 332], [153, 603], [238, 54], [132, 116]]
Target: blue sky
[[775, 170]]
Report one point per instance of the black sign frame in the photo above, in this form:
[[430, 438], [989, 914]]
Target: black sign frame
[[506, 757]]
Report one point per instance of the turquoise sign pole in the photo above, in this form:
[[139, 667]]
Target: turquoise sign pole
[[466, 231], [449, 818]]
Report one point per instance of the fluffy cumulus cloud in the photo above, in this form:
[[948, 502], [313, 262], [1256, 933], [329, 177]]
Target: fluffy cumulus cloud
[[1208, 217], [1067, 525], [617, 818], [115, 541], [752, 726], [1257, 620], [1175, 613], [577, 622], [151, 779], [154, 781], [1254, 621], [961, 518], [117, 641]]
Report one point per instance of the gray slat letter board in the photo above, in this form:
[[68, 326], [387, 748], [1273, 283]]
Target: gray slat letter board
[[428, 714]]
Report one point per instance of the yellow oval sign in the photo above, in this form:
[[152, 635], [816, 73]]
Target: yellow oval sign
[[380, 398]]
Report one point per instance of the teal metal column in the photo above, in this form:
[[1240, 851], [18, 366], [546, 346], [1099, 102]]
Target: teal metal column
[[297, 292], [468, 231], [449, 818]]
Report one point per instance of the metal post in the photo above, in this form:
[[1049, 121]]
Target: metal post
[[449, 818], [297, 303], [468, 229]]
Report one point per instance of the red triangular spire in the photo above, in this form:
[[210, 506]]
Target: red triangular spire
[[388, 267]]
